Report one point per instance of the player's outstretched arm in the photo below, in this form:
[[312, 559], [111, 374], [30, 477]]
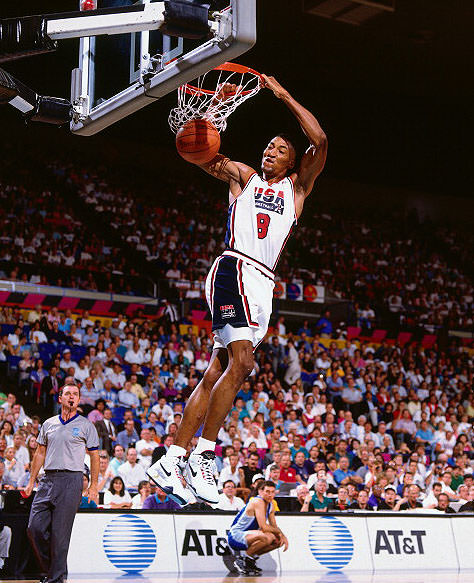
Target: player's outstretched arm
[[314, 158], [225, 169]]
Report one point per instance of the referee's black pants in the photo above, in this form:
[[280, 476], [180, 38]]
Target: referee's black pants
[[51, 519]]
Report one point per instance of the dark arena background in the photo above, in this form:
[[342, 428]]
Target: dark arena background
[[360, 406]]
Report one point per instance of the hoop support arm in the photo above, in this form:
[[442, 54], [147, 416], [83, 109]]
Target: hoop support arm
[[32, 35], [106, 21]]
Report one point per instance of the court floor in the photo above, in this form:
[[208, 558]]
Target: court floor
[[291, 577]]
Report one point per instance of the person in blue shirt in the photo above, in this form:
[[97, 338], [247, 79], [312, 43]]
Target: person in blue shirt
[[424, 435], [297, 447], [293, 423], [128, 436], [343, 473], [305, 329], [85, 503], [304, 344], [160, 501], [155, 424], [324, 324], [245, 392]]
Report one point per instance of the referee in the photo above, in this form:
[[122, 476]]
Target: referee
[[62, 444]]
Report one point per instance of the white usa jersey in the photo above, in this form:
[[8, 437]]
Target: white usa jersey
[[261, 220]]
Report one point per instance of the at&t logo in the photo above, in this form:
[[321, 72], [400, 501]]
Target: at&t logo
[[331, 542], [129, 543]]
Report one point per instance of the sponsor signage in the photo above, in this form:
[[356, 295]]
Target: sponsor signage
[[463, 532], [325, 543], [279, 291], [139, 544], [127, 544], [201, 541], [417, 543]]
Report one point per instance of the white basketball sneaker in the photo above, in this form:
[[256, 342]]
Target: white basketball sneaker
[[199, 474], [167, 473]]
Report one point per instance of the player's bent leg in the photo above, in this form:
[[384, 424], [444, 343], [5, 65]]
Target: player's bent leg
[[167, 472], [239, 542], [200, 470], [262, 543]]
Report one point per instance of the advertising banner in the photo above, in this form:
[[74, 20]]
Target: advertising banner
[[127, 544], [279, 291], [420, 543], [201, 541], [463, 531], [325, 543], [313, 293], [140, 544], [294, 291]]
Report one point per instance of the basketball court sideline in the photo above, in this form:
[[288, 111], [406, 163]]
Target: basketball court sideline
[[290, 577]]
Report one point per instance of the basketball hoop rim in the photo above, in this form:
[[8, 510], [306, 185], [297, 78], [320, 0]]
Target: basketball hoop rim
[[233, 68]]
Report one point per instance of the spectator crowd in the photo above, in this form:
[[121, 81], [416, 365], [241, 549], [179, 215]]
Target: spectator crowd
[[391, 267], [337, 424]]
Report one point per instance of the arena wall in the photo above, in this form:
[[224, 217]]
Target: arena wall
[[143, 542]]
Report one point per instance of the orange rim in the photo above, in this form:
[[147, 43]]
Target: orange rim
[[233, 68]]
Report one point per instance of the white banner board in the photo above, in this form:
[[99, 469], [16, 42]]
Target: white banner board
[[463, 533], [127, 544], [420, 543], [201, 543], [145, 543], [325, 543]]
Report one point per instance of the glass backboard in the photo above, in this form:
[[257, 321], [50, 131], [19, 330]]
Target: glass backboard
[[119, 74]]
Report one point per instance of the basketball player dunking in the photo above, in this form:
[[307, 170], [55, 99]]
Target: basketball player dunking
[[263, 210]]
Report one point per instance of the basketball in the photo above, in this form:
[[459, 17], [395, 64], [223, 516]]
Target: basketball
[[198, 141]]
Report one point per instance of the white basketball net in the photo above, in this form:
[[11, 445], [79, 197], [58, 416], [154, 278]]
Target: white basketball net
[[199, 102]]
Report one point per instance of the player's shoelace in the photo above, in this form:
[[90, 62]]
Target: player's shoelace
[[177, 468], [206, 464]]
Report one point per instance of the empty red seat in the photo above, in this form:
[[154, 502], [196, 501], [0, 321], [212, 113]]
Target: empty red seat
[[378, 335], [353, 332], [428, 340], [403, 338]]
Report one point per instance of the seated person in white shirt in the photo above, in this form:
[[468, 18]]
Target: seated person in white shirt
[[132, 472], [228, 499], [37, 336], [227, 436], [446, 478], [66, 361], [256, 435], [230, 471], [81, 372], [116, 376], [162, 410], [14, 470], [134, 355], [144, 490], [21, 452], [117, 496], [106, 473], [431, 501], [145, 447]]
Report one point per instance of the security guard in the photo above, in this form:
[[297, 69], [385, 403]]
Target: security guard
[[62, 445]]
